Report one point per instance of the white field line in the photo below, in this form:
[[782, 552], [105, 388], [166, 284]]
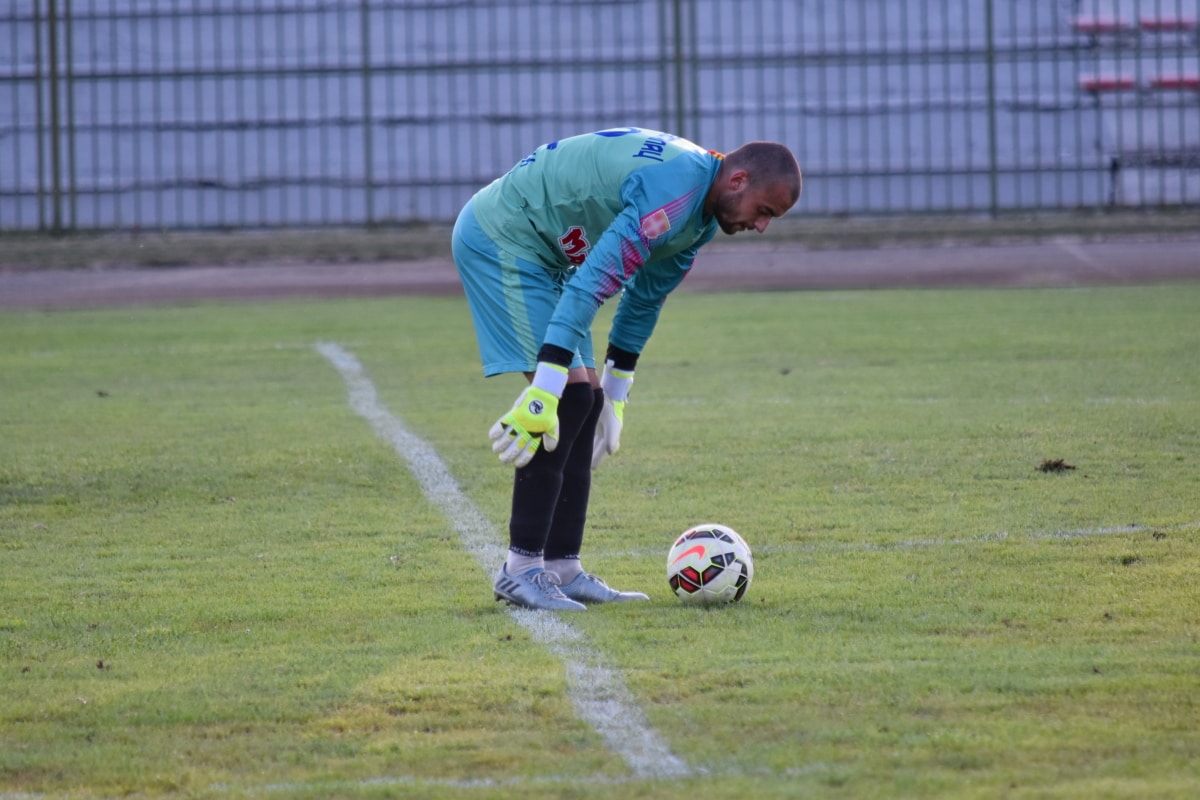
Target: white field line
[[597, 691]]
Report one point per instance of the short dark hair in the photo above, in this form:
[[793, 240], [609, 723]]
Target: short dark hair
[[768, 162]]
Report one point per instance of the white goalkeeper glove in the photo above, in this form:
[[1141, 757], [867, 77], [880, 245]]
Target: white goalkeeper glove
[[533, 420], [616, 384]]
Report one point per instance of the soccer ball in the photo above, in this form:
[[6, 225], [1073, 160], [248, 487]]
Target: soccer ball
[[710, 564]]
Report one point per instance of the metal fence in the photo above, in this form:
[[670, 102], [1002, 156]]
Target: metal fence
[[230, 114]]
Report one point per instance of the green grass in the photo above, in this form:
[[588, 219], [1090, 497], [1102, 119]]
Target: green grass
[[217, 581]]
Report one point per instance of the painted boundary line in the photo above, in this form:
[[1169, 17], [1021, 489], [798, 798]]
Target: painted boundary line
[[597, 692]]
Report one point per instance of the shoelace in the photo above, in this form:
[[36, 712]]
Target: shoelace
[[548, 587]]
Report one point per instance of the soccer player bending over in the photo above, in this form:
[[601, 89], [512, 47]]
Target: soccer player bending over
[[538, 251]]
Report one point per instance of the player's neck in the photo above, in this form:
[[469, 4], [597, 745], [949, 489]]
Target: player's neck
[[710, 199]]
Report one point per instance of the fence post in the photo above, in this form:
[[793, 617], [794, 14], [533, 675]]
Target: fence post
[[72, 171], [368, 138], [39, 117], [55, 121], [993, 189], [678, 60]]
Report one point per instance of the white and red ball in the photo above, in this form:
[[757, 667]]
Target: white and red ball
[[710, 564]]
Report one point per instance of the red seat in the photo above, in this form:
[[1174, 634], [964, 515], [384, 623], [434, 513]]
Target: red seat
[[1107, 83], [1184, 82], [1168, 24], [1101, 25]]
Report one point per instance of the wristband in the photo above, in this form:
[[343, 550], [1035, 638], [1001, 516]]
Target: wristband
[[550, 378], [616, 383]]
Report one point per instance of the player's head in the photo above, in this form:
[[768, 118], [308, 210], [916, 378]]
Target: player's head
[[756, 183]]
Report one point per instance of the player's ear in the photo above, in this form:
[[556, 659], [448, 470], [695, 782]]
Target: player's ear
[[739, 179]]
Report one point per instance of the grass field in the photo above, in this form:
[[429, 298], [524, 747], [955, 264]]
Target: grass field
[[218, 580]]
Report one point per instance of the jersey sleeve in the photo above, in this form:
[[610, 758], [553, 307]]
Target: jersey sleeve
[[656, 202], [614, 259], [643, 299]]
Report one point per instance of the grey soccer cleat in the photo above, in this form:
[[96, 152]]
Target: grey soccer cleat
[[587, 588], [532, 589]]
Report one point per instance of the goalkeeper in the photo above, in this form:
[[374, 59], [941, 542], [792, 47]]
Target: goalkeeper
[[538, 251]]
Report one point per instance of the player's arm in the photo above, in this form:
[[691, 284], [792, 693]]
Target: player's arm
[[637, 314], [614, 259], [656, 202], [532, 422], [643, 299]]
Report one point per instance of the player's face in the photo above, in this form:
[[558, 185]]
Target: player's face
[[751, 207]]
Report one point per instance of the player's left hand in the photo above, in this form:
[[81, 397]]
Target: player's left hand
[[616, 385]]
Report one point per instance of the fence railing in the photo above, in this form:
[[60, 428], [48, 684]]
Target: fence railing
[[226, 114]]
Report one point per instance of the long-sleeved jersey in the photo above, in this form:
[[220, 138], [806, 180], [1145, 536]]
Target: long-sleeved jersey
[[614, 209]]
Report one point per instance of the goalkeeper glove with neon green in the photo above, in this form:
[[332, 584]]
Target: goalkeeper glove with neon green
[[616, 384], [533, 420]]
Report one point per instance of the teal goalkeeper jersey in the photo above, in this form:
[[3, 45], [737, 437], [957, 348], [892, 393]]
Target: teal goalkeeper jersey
[[611, 210]]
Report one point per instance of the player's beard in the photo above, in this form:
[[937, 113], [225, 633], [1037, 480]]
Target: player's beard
[[726, 211]]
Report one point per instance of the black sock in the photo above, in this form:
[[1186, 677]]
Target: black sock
[[570, 516], [537, 485]]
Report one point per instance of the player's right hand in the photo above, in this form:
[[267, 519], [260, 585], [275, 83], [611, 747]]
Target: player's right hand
[[532, 422]]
